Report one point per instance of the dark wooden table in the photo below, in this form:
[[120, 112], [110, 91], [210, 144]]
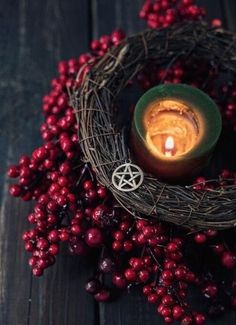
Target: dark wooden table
[[34, 36]]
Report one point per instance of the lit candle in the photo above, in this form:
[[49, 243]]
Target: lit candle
[[174, 131], [169, 146]]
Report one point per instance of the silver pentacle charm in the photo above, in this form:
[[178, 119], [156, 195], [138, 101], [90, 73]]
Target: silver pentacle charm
[[127, 177]]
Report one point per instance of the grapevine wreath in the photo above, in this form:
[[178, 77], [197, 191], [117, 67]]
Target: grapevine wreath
[[134, 235], [216, 208]]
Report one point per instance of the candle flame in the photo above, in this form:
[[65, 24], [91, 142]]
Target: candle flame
[[170, 143], [169, 146]]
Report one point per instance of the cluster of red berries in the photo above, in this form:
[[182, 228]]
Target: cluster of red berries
[[226, 177], [151, 77], [181, 72], [228, 96], [162, 264], [100, 46], [72, 208], [163, 13]]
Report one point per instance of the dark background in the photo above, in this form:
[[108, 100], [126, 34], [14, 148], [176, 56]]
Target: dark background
[[34, 36]]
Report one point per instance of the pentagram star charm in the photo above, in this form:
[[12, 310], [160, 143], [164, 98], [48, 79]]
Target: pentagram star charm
[[127, 177]]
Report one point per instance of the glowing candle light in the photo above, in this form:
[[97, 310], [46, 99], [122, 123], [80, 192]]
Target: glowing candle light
[[174, 131], [169, 146]]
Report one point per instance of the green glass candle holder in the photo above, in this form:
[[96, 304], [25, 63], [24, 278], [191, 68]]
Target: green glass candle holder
[[187, 104]]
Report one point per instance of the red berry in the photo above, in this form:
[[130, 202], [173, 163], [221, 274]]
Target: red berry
[[148, 231], [40, 154], [233, 303], [25, 236], [199, 319], [15, 190], [88, 185], [229, 260], [143, 275], [178, 312], [168, 320], [140, 224], [152, 298], [37, 271], [53, 249], [29, 247], [130, 275], [190, 277], [218, 249], [119, 235], [200, 238], [84, 58], [160, 308], [24, 161], [61, 200], [78, 248], [42, 244], [116, 245], [172, 247], [147, 290], [67, 145], [98, 213], [62, 67], [92, 286], [167, 300], [13, 171], [31, 218], [65, 168], [211, 233], [64, 236], [102, 192], [210, 290], [95, 45], [141, 239], [187, 320], [216, 22], [136, 263], [33, 261], [166, 312], [167, 276], [119, 280], [180, 273], [102, 296], [53, 236], [128, 246], [117, 36], [161, 291], [76, 229], [94, 237], [233, 285]]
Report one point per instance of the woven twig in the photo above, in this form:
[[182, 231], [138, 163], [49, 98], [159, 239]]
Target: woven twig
[[105, 146]]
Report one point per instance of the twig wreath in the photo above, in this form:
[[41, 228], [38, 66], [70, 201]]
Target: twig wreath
[[105, 145]]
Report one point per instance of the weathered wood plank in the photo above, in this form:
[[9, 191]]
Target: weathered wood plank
[[59, 297], [15, 277], [229, 7], [109, 15], [214, 9], [35, 35]]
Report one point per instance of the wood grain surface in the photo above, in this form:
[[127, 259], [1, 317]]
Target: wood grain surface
[[34, 36]]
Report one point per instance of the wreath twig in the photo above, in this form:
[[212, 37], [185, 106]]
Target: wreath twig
[[105, 146]]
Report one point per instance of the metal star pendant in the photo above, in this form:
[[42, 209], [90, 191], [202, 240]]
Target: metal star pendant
[[127, 177]]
